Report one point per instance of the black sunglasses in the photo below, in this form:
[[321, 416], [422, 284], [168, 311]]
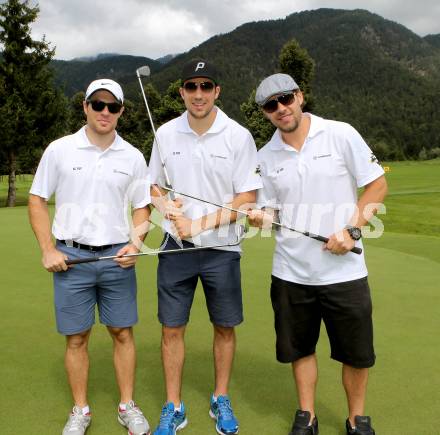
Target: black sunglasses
[[193, 86], [272, 105], [99, 106]]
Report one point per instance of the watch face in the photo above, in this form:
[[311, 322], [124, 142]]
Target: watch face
[[355, 233]]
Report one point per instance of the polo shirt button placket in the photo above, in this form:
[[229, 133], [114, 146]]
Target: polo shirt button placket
[[300, 164], [198, 150], [99, 165]]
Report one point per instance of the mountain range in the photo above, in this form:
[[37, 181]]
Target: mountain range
[[371, 72]]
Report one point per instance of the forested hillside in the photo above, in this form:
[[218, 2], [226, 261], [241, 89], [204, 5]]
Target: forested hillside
[[371, 72]]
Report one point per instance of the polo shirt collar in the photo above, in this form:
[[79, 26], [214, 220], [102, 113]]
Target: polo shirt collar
[[317, 125], [84, 142], [219, 124], [118, 144]]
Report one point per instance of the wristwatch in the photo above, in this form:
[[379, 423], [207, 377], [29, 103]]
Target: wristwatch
[[355, 232]]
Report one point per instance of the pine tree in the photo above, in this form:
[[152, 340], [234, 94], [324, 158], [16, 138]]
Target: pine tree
[[31, 110], [260, 127], [297, 62]]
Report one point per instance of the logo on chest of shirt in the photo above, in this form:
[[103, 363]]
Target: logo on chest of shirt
[[176, 153], [118, 171], [321, 156], [77, 168], [216, 156], [279, 170]]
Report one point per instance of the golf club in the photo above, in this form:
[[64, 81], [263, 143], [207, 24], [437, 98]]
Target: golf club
[[240, 234], [355, 250], [144, 71]]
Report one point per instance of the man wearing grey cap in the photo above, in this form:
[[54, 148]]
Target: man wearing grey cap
[[311, 169], [96, 176], [210, 156]]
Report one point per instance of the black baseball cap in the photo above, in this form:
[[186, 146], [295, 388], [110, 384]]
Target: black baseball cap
[[199, 68]]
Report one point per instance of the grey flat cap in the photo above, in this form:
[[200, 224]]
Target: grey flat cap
[[273, 85]]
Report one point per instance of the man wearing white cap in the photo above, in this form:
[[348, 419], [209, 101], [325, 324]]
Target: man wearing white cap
[[96, 176], [311, 170]]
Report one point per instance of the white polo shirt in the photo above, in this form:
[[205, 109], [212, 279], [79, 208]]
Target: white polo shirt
[[315, 190], [215, 166], [93, 188]]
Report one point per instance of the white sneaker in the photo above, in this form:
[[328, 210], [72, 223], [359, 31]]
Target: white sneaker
[[77, 423], [133, 419]]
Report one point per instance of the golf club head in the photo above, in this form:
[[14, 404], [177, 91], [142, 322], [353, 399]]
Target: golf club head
[[240, 232], [143, 71]]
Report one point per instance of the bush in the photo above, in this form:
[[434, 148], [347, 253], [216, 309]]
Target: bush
[[423, 154], [381, 150], [434, 153]]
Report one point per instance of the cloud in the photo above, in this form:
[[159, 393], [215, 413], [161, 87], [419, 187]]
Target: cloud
[[421, 17], [153, 29]]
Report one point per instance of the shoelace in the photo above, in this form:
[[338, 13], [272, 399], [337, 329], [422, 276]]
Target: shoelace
[[76, 420], [133, 412], [166, 418], [224, 409]]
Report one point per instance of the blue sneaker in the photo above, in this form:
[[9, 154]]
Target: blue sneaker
[[221, 411], [170, 420]]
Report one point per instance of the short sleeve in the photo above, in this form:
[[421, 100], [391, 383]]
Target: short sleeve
[[360, 160], [246, 177], [46, 177], [157, 175], [139, 191], [266, 197]]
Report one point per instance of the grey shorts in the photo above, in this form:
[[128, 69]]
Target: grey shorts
[[103, 283], [177, 277]]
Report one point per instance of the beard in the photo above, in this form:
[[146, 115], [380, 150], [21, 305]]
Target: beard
[[289, 128]]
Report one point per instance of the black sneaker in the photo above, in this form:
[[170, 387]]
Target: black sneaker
[[362, 426], [301, 424]]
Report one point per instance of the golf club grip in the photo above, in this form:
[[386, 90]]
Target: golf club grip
[[355, 249], [82, 260]]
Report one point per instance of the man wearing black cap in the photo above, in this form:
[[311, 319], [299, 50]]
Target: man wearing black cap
[[207, 155], [95, 176], [313, 167]]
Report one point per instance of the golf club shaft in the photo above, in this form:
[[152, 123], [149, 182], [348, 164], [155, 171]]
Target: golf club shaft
[[167, 178], [323, 239], [151, 253]]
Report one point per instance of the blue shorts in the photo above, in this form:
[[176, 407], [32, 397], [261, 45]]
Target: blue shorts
[[103, 283], [177, 277]]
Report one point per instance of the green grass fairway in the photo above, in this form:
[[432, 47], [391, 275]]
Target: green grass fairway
[[413, 202], [404, 389]]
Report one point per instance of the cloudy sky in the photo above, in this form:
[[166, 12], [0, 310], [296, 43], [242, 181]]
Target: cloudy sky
[[154, 28]]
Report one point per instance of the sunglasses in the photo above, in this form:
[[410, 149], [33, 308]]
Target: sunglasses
[[193, 86], [272, 105], [99, 106]]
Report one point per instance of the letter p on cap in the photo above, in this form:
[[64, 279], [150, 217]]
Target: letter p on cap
[[200, 65]]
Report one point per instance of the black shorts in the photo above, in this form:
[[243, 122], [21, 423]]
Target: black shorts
[[177, 277], [346, 310]]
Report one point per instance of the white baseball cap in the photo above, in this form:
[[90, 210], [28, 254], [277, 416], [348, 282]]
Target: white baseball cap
[[107, 85]]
